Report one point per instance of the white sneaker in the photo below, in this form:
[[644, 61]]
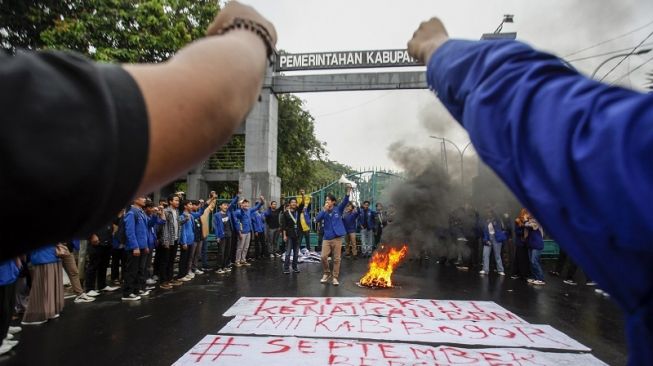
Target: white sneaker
[[14, 330], [92, 293], [9, 337], [6, 347], [148, 288], [110, 288], [83, 298], [220, 271], [69, 296], [227, 270], [190, 275], [335, 282], [502, 273], [143, 293], [131, 297], [184, 279], [150, 281], [324, 279], [272, 256], [199, 272], [155, 278], [482, 272]]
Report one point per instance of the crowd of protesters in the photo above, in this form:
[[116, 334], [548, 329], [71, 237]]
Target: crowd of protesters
[[515, 248], [149, 246]]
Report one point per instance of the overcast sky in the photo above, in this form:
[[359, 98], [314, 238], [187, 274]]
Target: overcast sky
[[350, 122]]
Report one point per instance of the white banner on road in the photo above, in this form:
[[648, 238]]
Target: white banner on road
[[408, 330], [373, 306], [291, 351]]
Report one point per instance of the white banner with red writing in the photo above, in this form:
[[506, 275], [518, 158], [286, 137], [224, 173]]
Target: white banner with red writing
[[373, 306], [290, 351], [407, 330]]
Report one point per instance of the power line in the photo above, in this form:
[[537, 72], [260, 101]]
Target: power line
[[633, 70], [355, 106], [609, 40], [606, 53], [625, 57]]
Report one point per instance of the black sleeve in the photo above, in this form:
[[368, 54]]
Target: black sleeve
[[73, 147]]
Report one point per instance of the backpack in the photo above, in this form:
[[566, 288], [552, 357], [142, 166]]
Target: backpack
[[121, 233]]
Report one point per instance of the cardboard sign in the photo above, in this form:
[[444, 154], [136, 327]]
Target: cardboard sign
[[408, 330], [290, 351], [372, 306]]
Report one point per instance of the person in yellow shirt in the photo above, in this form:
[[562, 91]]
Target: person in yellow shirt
[[304, 206]]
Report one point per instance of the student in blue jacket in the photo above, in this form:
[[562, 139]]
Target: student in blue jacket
[[334, 230], [535, 240], [349, 218], [493, 239], [9, 271], [577, 153], [224, 232], [244, 217], [156, 217], [186, 239], [136, 232], [258, 230], [366, 220]]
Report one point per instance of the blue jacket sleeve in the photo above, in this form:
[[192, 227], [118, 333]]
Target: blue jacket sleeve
[[577, 153], [256, 207], [320, 216], [234, 203], [130, 231], [343, 204]]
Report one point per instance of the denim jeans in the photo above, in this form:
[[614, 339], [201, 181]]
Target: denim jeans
[[205, 254], [291, 244], [305, 239], [367, 241], [536, 268], [496, 246]]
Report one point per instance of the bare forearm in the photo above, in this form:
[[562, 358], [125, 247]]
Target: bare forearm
[[196, 101]]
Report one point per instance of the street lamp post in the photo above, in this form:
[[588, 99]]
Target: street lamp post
[[460, 152], [638, 53]]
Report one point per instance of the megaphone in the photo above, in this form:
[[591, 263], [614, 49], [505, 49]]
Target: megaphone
[[344, 180]]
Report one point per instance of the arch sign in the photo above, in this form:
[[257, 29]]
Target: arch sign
[[344, 60]]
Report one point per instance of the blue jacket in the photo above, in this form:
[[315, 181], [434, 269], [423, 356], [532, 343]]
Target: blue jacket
[[349, 219], [257, 222], [187, 230], [152, 224], [577, 153], [244, 218], [499, 234], [535, 240], [136, 228], [218, 221], [366, 219], [44, 255], [8, 272], [333, 225]]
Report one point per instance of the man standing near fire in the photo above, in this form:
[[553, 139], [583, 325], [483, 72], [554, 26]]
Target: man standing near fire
[[334, 230]]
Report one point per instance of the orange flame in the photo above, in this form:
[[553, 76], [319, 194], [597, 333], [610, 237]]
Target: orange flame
[[381, 266]]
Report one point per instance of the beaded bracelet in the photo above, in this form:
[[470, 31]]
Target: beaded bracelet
[[258, 29]]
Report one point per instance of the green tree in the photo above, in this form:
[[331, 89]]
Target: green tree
[[106, 30], [297, 144], [302, 159]]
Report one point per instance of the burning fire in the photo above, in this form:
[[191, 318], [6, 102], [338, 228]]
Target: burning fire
[[381, 266]]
